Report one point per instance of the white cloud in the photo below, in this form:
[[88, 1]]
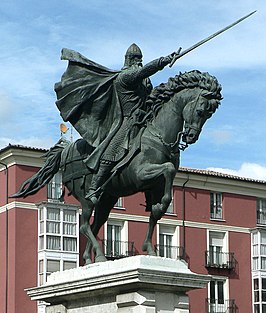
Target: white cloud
[[248, 170]]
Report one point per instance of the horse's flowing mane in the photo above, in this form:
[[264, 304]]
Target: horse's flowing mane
[[193, 79]]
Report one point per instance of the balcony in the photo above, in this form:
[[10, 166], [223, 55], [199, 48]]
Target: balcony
[[221, 260], [116, 249], [172, 252], [220, 306]]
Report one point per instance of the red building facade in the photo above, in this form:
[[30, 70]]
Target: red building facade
[[216, 223]]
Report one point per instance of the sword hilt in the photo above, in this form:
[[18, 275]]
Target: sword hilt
[[175, 57]]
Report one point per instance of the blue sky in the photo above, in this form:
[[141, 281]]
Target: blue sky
[[34, 32]]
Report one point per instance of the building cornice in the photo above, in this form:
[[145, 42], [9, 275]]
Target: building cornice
[[35, 206], [21, 156], [18, 205], [220, 183]]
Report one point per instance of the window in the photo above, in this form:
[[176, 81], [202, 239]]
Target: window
[[259, 250], [217, 255], [170, 209], [41, 272], [67, 265], [167, 246], [218, 300], [217, 291], [58, 238], [259, 294], [216, 242], [60, 231], [54, 187], [119, 203], [48, 266], [216, 211], [113, 243], [261, 211]]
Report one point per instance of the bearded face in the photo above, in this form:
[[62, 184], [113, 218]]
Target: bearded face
[[133, 61]]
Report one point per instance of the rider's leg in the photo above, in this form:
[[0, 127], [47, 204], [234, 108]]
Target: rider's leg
[[98, 179]]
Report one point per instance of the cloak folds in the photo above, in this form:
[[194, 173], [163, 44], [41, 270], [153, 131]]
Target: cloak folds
[[86, 97]]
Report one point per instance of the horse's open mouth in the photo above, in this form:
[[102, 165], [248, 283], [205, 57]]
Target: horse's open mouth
[[190, 138]]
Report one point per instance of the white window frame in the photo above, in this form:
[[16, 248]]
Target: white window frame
[[218, 307], [61, 255], [216, 206], [55, 188], [168, 230], [124, 232], [258, 250], [261, 211], [120, 203], [170, 209], [225, 244]]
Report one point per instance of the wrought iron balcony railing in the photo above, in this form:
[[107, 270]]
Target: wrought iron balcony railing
[[116, 249], [220, 306], [224, 260], [172, 252]]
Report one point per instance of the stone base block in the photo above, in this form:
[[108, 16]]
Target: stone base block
[[139, 284]]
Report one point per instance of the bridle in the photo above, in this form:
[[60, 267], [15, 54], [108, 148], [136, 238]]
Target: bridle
[[177, 145], [172, 147], [188, 124]]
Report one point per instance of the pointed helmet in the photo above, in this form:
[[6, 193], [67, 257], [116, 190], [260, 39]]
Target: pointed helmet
[[132, 52]]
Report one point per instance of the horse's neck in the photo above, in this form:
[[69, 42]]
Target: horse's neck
[[169, 121]]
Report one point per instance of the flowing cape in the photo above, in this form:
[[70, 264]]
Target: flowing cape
[[86, 97]]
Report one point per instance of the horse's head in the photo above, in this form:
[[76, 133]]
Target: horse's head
[[196, 112]]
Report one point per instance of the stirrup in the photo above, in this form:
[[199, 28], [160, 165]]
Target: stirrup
[[92, 196]]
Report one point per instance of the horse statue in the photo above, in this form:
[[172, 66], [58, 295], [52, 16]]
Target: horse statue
[[178, 110]]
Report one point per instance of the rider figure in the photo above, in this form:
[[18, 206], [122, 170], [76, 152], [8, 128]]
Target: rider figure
[[132, 86]]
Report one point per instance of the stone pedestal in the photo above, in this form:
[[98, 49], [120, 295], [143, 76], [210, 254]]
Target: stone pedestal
[[139, 284]]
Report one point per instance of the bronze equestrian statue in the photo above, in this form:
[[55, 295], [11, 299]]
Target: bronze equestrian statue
[[132, 136]]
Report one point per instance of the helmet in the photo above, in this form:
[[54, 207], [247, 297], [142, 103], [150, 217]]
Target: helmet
[[132, 52]]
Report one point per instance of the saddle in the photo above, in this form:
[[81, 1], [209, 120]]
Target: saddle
[[79, 151]]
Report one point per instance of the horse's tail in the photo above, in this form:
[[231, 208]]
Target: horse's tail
[[46, 173]]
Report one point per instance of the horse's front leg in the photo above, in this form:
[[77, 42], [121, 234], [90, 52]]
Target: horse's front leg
[[150, 173], [147, 245], [92, 244], [157, 199]]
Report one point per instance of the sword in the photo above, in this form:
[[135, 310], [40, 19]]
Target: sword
[[178, 55]]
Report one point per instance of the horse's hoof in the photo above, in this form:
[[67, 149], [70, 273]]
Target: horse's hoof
[[88, 262], [100, 258]]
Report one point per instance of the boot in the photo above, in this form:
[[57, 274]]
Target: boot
[[98, 179]]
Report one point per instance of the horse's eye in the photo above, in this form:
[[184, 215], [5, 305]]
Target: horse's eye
[[200, 112]]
